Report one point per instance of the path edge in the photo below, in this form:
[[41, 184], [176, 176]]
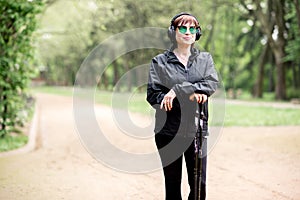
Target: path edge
[[32, 137]]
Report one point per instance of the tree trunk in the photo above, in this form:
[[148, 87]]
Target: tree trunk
[[116, 77], [279, 51], [129, 76], [258, 88], [211, 33], [277, 44], [271, 85], [280, 88], [103, 83]]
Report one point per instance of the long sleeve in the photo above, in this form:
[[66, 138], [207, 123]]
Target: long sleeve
[[155, 90]]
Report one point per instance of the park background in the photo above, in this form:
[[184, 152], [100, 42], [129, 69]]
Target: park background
[[255, 45]]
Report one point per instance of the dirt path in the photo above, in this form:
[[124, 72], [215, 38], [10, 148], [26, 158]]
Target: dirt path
[[256, 163]]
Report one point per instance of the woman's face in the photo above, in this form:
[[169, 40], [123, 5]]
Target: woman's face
[[186, 34]]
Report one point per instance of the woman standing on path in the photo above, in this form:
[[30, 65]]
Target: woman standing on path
[[180, 80]]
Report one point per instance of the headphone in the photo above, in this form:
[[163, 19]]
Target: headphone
[[172, 28]]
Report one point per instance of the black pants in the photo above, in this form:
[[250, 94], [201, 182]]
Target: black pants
[[173, 171]]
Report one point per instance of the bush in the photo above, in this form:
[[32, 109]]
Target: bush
[[17, 25], [293, 93]]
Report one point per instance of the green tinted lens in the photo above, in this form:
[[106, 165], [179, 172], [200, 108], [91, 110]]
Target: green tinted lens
[[193, 30], [182, 29]]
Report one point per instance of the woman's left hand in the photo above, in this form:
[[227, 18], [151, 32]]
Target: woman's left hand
[[200, 98]]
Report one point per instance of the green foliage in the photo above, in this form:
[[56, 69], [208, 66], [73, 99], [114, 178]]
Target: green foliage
[[9, 142], [293, 93], [17, 25], [293, 46]]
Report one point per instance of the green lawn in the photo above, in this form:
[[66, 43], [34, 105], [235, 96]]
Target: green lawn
[[235, 115], [243, 115]]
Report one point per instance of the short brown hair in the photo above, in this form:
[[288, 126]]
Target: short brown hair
[[185, 19]]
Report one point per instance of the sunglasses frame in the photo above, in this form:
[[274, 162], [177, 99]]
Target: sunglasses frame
[[183, 29]]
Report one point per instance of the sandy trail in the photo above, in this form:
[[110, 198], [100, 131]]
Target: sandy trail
[[260, 163]]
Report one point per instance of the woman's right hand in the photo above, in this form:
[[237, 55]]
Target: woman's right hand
[[167, 102]]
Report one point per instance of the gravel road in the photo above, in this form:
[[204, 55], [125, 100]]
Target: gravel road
[[253, 163]]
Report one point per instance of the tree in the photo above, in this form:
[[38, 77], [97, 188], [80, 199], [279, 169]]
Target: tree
[[293, 47], [271, 15], [17, 25]]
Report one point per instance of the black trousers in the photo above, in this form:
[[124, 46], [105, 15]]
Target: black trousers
[[173, 171]]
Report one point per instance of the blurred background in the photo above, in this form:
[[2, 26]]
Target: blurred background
[[255, 45]]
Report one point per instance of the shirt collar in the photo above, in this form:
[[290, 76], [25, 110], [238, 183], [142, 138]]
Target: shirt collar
[[171, 57]]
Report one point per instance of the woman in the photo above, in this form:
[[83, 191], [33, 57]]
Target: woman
[[180, 82]]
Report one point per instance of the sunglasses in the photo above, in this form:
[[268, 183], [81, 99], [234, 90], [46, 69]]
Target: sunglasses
[[183, 29]]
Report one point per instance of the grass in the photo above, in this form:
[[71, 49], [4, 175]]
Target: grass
[[10, 142], [16, 136], [235, 115], [243, 115], [64, 91]]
